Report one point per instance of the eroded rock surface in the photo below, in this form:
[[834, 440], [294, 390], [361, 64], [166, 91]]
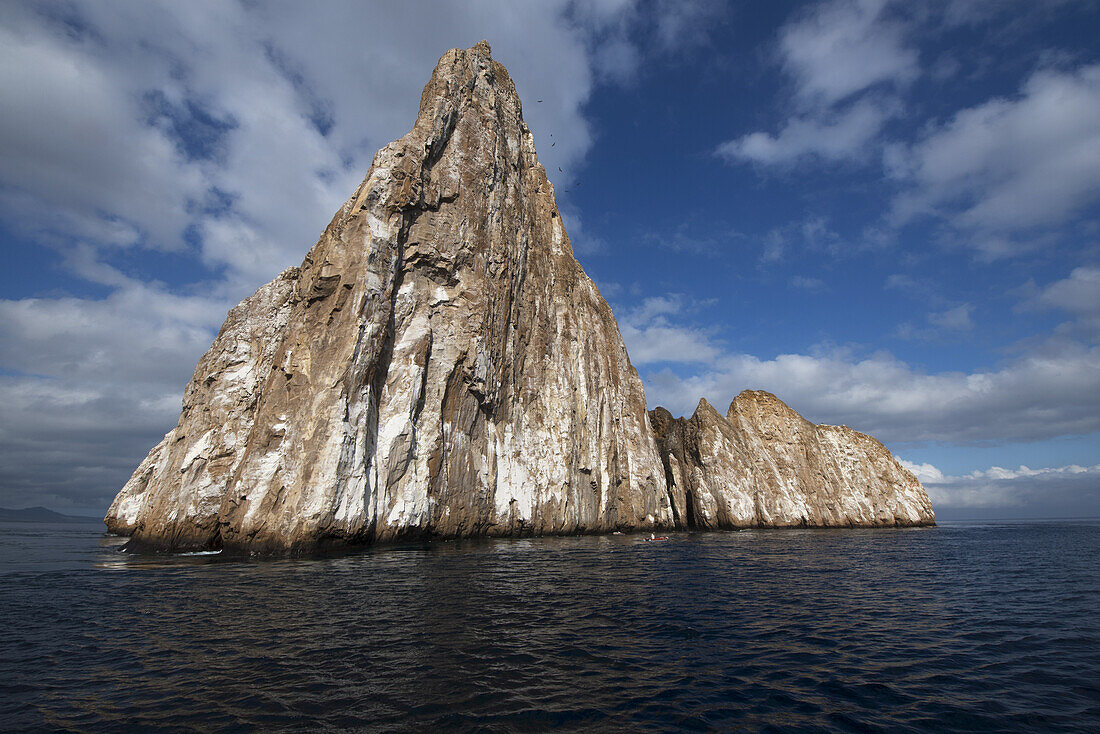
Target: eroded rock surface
[[439, 365], [763, 464]]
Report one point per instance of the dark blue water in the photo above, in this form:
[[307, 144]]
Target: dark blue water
[[965, 627]]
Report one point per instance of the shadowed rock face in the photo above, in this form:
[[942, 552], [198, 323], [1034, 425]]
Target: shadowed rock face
[[439, 365], [765, 465]]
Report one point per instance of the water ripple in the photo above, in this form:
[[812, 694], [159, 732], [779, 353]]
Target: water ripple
[[951, 629]]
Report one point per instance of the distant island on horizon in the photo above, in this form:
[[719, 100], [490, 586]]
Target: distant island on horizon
[[40, 514]]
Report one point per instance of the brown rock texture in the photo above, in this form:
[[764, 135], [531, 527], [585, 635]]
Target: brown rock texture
[[439, 365], [764, 465]]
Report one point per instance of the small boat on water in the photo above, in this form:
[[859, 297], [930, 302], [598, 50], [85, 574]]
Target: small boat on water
[[653, 538]]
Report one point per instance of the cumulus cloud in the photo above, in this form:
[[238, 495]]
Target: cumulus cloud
[[707, 236], [954, 319], [830, 136], [1002, 175], [651, 337], [951, 323], [926, 473], [915, 287], [847, 59], [1051, 391], [1010, 163], [88, 386], [839, 48], [1047, 491], [1078, 295], [100, 172], [243, 125], [109, 95]]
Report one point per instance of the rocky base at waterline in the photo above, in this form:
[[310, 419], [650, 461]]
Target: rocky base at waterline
[[764, 465], [438, 366]]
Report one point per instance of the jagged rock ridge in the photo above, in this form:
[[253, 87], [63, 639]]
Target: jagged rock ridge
[[439, 364], [763, 464]]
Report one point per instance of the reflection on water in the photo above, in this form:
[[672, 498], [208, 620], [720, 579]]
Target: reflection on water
[[957, 628]]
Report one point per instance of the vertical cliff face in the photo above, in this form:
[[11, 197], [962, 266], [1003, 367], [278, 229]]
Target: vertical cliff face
[[765, 465], [439, 364]]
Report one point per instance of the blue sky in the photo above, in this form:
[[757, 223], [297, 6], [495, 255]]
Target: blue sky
[[886, 213]]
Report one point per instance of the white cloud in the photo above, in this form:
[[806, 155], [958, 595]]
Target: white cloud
[[926, 473], [1050, 391], [1037, 491], [830, 136], [1023, 12], [843, 47], [847, 59], [997, 472], [1079, 295], [695, 234], [953, 319], [950, 323], [651, 338], [582, 240], [302, 95], [685, 22], [74, 146], [1003, 174], [1010, 164], [90, 385], [140, 334], [918, 288], [306, 95]]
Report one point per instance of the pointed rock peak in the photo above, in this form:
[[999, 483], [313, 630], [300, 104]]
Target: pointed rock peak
[[757, 395], [661, 416], [705, 409], [468, 74], [757, 400], [761, 407]]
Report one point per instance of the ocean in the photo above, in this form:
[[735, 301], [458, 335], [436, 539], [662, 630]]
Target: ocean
[[964, 627]]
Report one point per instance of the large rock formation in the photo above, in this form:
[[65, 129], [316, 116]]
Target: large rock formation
[[440, 364], [765, 465]]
